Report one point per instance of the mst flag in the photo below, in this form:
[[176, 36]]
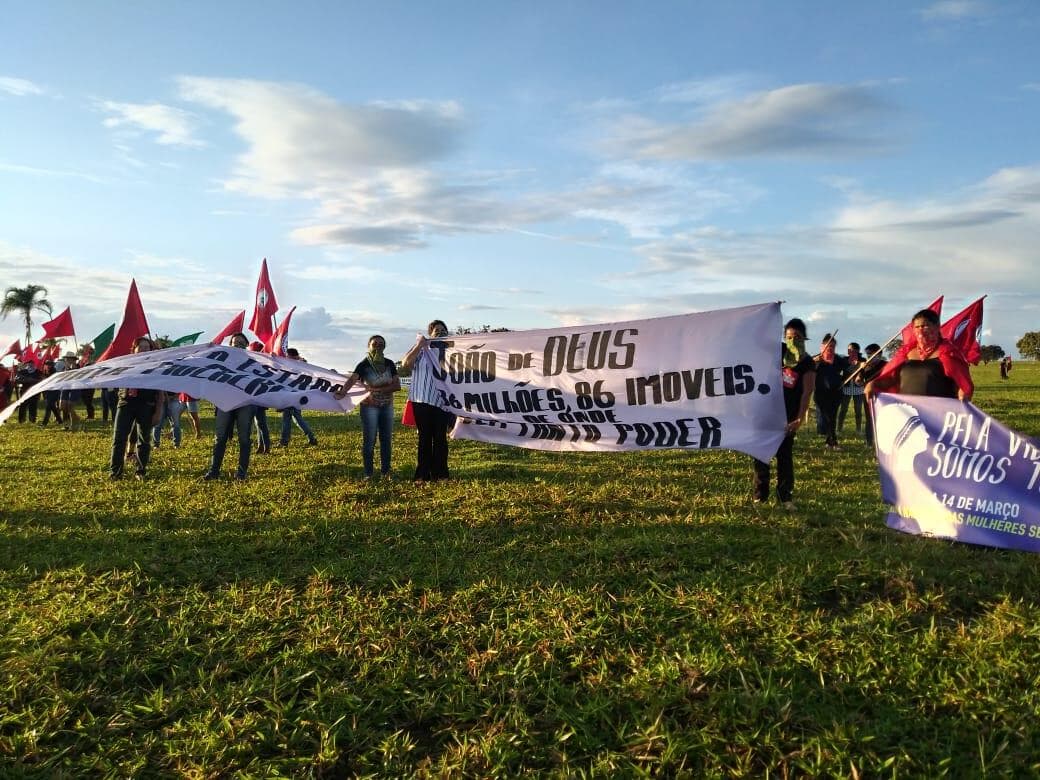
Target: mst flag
[[133, 326], [964, 330], [226, 376], [235, 326], [15, 349], [265, 308], [907, 334], [950, 470], [695, 381], [278, 342], [60, 325]]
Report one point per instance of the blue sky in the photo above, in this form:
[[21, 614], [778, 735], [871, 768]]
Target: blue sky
[[521, 164]]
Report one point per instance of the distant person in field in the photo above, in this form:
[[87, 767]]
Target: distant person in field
[[930, 366], [798, 374], [852, 389], [25, 378], [228, 421], [293, 414], [51, 398], [67, 399], [831, 370], [1005, 366], [874, 365], [378, 375], [431, 422], [136, 410]]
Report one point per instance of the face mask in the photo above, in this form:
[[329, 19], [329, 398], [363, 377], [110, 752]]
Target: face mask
[[794, 352], [375, 354]]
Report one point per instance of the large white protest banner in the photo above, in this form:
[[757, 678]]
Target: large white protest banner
[[227, 376], [695, 381]]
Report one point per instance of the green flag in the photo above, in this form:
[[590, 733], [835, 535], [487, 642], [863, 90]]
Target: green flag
[[102, 340], [191, 338]]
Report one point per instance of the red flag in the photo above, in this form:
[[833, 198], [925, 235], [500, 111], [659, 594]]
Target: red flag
[[262, 323], [54, 352], [15, 349], [408, 415], [133, 326], [963, 330], [235, 326], [279, 340], [60, 325], [30, 353], [907, 335]]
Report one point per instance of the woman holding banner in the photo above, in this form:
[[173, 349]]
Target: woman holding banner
[[431, 422], [136, 410], [378, 374], [228, 421], [799, 378], [930, 366]]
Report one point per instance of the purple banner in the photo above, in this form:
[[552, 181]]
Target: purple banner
[[952, 471]]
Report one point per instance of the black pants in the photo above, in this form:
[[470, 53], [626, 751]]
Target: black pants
[[50, 397], [88, 401], [128, 417], [784, 473], [432, 426], [28, 409], [827, 410], [109, 399]]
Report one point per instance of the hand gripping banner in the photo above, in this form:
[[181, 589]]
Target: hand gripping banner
[[696, 381]]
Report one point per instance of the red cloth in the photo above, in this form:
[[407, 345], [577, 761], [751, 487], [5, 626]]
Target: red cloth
[[278, 343], [235, 326], [133, 326], [408, 415], [60, 325], [952, 360], [266, 306], [962, 330]]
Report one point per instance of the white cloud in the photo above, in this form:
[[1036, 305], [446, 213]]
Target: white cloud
[[172, 126], [800, 120], [954, 10], [20, 87]]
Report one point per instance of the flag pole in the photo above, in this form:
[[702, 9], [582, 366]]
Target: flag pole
[[870, 358]]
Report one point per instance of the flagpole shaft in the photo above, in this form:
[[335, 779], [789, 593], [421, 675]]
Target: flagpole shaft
[[863, 365]]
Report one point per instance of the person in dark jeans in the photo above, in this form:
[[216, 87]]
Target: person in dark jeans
[[798, 373], [240, 419], [136, 410], [831, 369]]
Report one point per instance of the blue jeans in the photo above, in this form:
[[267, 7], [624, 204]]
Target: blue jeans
[[290, 414], [172, 412], [373, 419], [242, 420]]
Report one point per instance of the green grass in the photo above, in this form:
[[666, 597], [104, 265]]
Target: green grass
[[569, 615]]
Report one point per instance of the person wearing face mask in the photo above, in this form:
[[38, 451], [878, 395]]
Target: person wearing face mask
[[378, 375], [929, 366], [798, 375], [831, 369], [431, 422], [240, 419], [136, 410]]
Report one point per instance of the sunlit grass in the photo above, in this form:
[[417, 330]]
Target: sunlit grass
[[580, 614]]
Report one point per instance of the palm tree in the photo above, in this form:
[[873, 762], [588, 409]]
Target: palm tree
[[25, 300]]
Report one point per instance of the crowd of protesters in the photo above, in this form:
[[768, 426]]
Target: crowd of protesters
[[827, 380]]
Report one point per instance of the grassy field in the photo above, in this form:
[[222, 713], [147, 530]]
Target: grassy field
[[567, 615]]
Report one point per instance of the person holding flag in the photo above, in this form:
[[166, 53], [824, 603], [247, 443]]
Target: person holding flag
[[932, 365]]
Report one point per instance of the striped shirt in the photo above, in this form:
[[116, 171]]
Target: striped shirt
[[422, 390]]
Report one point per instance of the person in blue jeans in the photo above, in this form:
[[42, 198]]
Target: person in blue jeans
[[378, 375], [171, 411], [292, 413], [240, 419]]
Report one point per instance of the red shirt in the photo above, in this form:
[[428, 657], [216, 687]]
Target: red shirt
[[952, 360]]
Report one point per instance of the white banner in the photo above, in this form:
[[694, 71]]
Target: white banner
[[226, 376], [694, 381]]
